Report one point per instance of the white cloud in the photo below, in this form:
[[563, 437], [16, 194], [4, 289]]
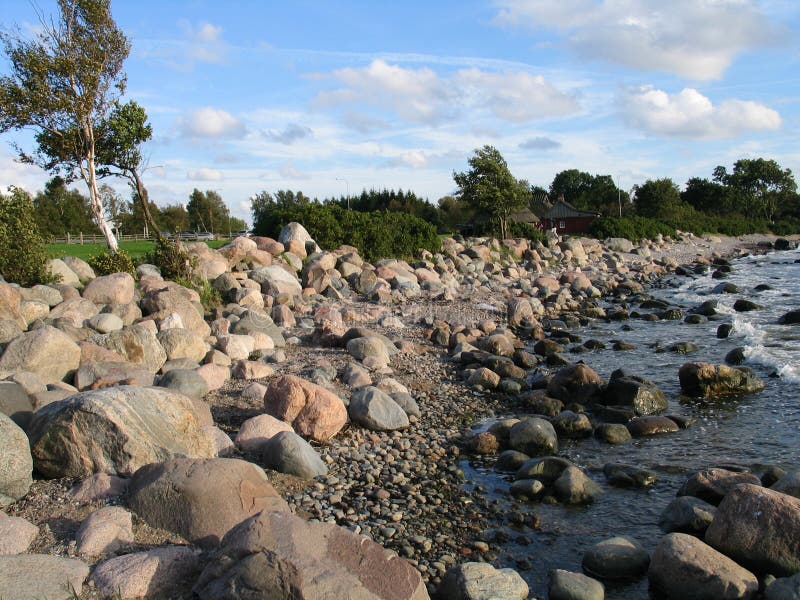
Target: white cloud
[[205, 175], [415, 159], [422, 96], [289, 134], [204, 42], [211, 122], [515, 97], [540, 143], [364, 123], [698, 39], [690, 114], [207, 33], [289, 171]]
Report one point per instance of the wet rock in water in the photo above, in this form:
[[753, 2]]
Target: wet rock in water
[[376, 410], [484, 378], [546, 469], [687, 514], [484, 443], [784, 588], [616, 558], [287, 452], [572, 425], [684, 567], [201, 499], [724, 331], [575, 487], [695, 319], [547, 347], [742, 305], [565, 585], [651, 425], [621, 346], [759, 528], [281, 555], [576, 383], [627, 476], [534, 437], [707, 380], [790, 318], [116, 431], [725, 288], [510, 461], [41, 576], [782, 244], [634, 392], [529, 489], [788, 484], [683, 348], [481, 581], [612, 433], [165, 572], [770, 475], [736, 356], [706, 309], [712, 485], [538, 402]]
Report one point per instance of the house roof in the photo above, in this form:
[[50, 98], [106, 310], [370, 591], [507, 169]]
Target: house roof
[[563, 209], [526, 215]]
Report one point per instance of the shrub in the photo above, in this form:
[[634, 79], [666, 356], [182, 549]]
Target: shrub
[[526, 230], [210, 298], [106, 263], [172, 260], [376, 234], [634, 229], [23, 254]]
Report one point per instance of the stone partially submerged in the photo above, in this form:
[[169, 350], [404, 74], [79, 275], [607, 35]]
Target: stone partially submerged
[[709, 381]]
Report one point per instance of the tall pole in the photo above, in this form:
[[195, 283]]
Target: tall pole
[[347, 186]]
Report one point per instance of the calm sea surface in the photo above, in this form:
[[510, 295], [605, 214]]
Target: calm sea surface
[[754, 430]]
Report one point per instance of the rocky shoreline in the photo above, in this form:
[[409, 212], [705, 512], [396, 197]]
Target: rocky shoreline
[[383, 368]]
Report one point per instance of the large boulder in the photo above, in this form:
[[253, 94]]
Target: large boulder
[[116, 430], [574, 486], [313, 411], [287, 452], [565, 585], [636, 393], [275, 280], [256, 431], [182, 343], [46, 351], [788, 484], [15, 403], [16, 465], [481, 581], [712, 485], [376, 410], [534, 437], [80, 267], [252, 321], [684, 567], [139, 345], [104, 374], [707, 380], [279, 555], [105, 531], [201, 499], [759, 528], [575, 383], [10, 300], [185, 381], [616, 558], [116, 288], [24, 576], [687, 514], [74, 310]]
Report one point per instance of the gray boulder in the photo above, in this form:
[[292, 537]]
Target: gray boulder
[[201, 499], [709, 381], [279, 555], [116, 430], [287, 452], [687, 514], [185, 381], [16, 464], [368, 347], [138, 345], [252, 321], [46, 351], [534, 437], [616, 558], [785, 588], [481, 581], [636, 393], [165, 572], [573, 486], [376, 410], [565, 585], [713, 484], [788, 484], [684, 567], [109, 373], [15, 403], [24, 576]]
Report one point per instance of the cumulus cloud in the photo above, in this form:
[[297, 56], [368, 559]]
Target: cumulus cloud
[[414, 159], [210, 122], [363, 123], [205, 42], [540, 143], [690, 114], [698, 39], [289, 134], [204, 175], [422, 96]]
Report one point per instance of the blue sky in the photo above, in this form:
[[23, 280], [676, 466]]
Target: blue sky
[[327, 97]]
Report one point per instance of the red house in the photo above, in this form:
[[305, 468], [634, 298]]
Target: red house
[[565, 218]]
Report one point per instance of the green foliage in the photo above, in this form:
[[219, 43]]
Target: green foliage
[[210, 298], [207, 212], [634, 229], [376, 234], [590, 192], [23, 254], [106, 263], [172, 260], [59, 210], [526, 230], [758, 187], [490, 188], [657, 198]]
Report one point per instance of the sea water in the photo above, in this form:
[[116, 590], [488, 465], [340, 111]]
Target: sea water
[[750, 431]]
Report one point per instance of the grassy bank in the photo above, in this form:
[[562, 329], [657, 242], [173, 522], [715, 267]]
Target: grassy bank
[[136, 249]]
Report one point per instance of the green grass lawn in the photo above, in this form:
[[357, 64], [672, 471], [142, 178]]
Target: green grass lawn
[[136, 249]]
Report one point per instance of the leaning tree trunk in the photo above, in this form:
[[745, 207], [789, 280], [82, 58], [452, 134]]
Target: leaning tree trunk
[[141, 191], [90, 177]]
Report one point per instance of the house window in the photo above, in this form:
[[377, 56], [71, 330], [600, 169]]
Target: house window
[[562, 225]]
